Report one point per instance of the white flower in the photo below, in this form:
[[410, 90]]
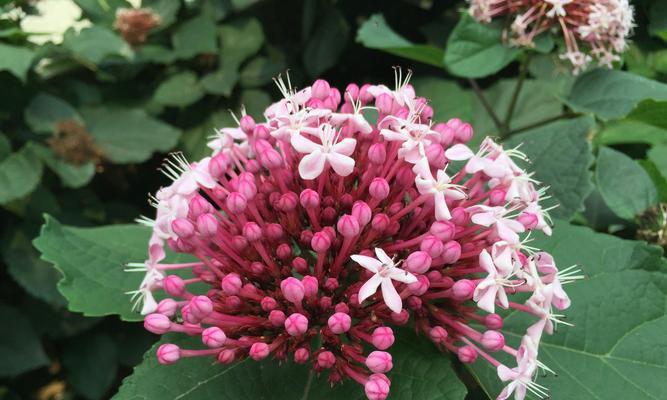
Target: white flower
[[385, 271], [506, 228], [439, 187], [557, 8], [329, 151], [521, 377], [499, 270]]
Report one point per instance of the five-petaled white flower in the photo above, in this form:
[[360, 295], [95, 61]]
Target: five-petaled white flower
[[439, 187], [506, 228], [329, 151], [521, 377], [385, 271], [500, 271]]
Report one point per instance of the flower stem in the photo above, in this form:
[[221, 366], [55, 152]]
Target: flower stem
[[480, 94], [515, 97]]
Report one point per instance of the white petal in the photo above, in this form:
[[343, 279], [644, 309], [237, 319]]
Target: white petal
[[391, 297], [459, 152], [393, 136], [303, 145], [369, 288], [400, 275], [383, 257], [344, 147], [369, 263], [341, 164], [312, 165], [441, 210], [484, 218]]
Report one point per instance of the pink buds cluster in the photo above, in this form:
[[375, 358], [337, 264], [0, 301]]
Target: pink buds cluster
[[591, 29], [325, 224]]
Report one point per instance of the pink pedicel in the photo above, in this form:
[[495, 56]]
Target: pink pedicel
[[315, 224]]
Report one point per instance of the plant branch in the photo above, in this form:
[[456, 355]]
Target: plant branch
[[487, 106], [515, 97], [565, 115]]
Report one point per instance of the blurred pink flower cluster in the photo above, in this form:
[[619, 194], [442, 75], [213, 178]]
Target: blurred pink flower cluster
[[341, 216]]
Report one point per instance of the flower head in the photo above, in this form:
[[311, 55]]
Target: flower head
[[290, 224]]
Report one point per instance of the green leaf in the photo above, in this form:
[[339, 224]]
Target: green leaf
[[155, 54], [179, 90], [611, 93], [166, 9], [16, 60], [658, 179], [34, 275], [255, 101], [195, 36], [73, 176], [20, 349], [20, 174], [92, 262], [91, 362], [446, 97], [658, 155], [193, 141], [45, 111], [658, 20], [240, 39], [326, 43], [624, 185], [220, 82], [375, 33], [560, 156], [419, 373], [94, 44], [535, 103], [616, 348], [101, 11], [5, 147], [628, 131], [129, 135], [259, 71], [651, 112], [475, 50]]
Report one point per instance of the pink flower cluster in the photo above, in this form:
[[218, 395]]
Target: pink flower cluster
[[590, 28], [339, 217]]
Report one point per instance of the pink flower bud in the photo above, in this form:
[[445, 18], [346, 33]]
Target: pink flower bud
[[460, 217], [310, 286], [252, 231], [493, 321], [384, 103], [379, 189], [377, 153], [200, 307], [493, 340], [320, 89], [380, 222], [277, 318], [261, 132], [467, 354], [236, 203], [232, 284], [292, 289], [218, 165], [497, 197], [207, 225], [351, 92], [198, 206], [382, 337], [348, 226], [301, 355], [226, 356], [432, 245], [362, 212], [287, 202], [247, 124], [443, 230], [167, 307], [451, 252], [296, 324], [259, 351], [213, 337], [331, 284], [325, 302], [183, 246], [342, 308], [420, 287], [330, 103], [239, 243], [158, 324], [335, 95], [247, 188], [364, 95], [173, 285], [326, 359], [435, 155], [376, 389], [320, 242], [274, 231], [463, 289], [300, 265], [418, 262], [284, 252], [268, 303], [168, 354], [379, 362], [400, 318], [438, 334], [328, 215], [182, 228], [309, 199], [528, 220], [339, 323], [462, 130], [414, 303], [270, 159]]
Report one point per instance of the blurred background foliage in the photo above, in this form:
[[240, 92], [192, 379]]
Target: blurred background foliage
[[94, 95]]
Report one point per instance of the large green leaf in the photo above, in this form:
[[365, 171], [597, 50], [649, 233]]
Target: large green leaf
[[179, 90], [326, 43], [616, 348], [16, 60], [651, 112], [658, 155], [92, 262], [611, 93], [94, 44], [561, 157], [45, 111], [20, 349], [375, 33], [128, 135], [260, 70], [629, 131], [195, 36], [20, 173], [475, 50], [73, 176], [240, 39], [419, 373], [624, 185], [446, 97], [91, 362]]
